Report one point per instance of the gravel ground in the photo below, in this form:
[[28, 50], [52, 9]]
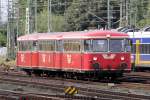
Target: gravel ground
[[27, 89], [125, 88]]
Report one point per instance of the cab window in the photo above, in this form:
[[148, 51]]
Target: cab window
[[100, 45], [116, 45]]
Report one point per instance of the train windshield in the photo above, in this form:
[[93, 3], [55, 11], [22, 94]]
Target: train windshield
[[100, 45], [116, 45]]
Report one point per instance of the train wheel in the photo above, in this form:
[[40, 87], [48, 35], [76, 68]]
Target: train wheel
[[37, 72], [28, 72]]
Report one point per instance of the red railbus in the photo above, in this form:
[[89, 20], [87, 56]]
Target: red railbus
[[75, 53]]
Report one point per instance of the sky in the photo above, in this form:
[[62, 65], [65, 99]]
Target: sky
[[4, 10]]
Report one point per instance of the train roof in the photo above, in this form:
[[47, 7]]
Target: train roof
[[29, 37], [94, 34], [73, 35], [139, 34]]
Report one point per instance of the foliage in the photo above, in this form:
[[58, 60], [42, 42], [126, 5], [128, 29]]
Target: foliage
[[57, 22], [59, 6], [140, 12], [83, 15], [3, 39], [145, 20]]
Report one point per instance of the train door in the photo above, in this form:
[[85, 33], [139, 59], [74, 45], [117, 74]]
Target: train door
[[86, 55], [25, 54], [76, 55], [71, 58], [50, 58], [58, 54], [34, 54]]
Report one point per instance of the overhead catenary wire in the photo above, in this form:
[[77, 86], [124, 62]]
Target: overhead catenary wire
[[36, 5]]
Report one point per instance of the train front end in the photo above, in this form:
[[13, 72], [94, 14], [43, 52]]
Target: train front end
[[110, 54], [116, 59]]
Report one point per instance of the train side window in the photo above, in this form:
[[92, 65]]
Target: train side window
[[127, 45], [41, 45], [144, 48], [20, 46], [66, 45], [58, 45], [87, 45], [76, 45], [50, 45], [133, 48], [47, 45], [72, 45], [44, 46], [24, 47], [30, 46], [34, 45]]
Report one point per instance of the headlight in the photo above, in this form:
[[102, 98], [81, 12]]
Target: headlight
[[95, 58], [122, 58]]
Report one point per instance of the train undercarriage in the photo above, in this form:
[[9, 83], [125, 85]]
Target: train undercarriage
[[91, 75]]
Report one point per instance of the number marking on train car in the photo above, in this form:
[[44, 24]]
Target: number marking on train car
[[107, 56]]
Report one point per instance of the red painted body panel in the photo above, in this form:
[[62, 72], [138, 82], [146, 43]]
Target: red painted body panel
[[58, 60], [27, 59], [107, 62], [24, 59], [71, 61], [46, 60], [87, 62], [34, 59]]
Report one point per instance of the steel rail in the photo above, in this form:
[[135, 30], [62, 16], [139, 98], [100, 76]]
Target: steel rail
[[82, 91]]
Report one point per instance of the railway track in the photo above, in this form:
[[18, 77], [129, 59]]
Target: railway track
[[134, 77], [84, 91], [14, 95], [138, 77]]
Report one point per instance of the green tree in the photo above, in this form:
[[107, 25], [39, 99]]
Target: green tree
[[2, 39], [58, 8], [85, 14], [145, 13], [57, 22], [140, 12]]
